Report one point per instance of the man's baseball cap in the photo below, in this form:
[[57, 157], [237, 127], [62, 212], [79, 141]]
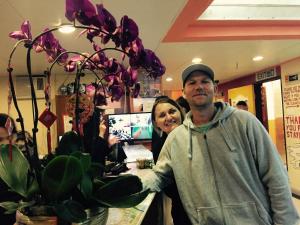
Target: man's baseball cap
[[197, 67]]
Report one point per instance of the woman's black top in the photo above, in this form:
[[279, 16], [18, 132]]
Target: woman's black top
[[177, 211]]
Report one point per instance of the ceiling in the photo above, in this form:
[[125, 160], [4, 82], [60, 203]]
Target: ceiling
[[171, 29]]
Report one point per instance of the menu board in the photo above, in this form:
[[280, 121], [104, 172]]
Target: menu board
[[291, 105]]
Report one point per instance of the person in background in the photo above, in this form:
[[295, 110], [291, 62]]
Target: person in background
[[166, 115], [183, 103], [226, 167], [242, 105], [94, 140], [5, 195]]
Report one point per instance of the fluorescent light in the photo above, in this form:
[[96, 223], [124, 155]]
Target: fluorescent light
[[196, 60], [169, 79], [66, 29], [258, 58]]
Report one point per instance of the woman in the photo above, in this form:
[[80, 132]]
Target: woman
[[94, 138], [166, 116], [6, 195]]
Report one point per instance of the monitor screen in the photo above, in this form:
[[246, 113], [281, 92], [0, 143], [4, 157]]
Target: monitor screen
[[135, 126]]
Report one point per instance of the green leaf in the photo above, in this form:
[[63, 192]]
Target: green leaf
[[14, 173], [86, 186], [95, 169], [123, 191], [70, 211], [126, 201], [120, 186], [69, 143], [60, 176], [10, 207], [84, 158]]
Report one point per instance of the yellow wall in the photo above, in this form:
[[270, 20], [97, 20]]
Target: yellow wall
[[245, 93], [25, 106]]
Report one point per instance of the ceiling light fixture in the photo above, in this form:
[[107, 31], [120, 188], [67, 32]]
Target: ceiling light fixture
[[66, 28], [258, 58], [169, 79], [196, 60]]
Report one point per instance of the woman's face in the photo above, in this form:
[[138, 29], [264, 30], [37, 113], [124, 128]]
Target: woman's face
[[3, 136], [167, 117]]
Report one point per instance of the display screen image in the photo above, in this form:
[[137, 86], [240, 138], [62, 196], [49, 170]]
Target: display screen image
[[141, 126], [136, 126], [119, 125]]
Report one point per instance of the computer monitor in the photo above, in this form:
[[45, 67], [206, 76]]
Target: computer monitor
[[131, 126]]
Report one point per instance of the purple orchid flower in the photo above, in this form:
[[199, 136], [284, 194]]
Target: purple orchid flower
[[157, 69], [91, 34], [100, 57], [100, 98], [129, 76], [117, 92], [136, 47], [51, 46], [70, 66], [136, 90], [63, 57], [129, 31], [107, 21], [82, 10], [24, 33], [111, 66]]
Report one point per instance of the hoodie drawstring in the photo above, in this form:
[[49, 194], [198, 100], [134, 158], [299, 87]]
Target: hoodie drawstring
[[190, 147], [226, 137]]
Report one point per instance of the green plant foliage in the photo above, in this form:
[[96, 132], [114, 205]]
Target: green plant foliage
[[14, 173], [125, 201], [123, 191], [60, 176], [85, 159], [10, 207], [70, 211], [69, 143]]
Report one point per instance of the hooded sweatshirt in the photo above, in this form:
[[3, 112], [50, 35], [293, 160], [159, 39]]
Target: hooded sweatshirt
[[228, 172]]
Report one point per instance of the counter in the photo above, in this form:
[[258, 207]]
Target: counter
[[130, 216], [134, 215]]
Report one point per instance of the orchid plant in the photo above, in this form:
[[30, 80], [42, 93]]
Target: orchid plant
[[65, 181]]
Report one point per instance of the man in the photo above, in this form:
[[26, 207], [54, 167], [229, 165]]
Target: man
[[242, 105], [227, 170]]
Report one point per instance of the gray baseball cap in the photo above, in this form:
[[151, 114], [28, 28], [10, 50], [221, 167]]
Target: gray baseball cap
[[197, 67]]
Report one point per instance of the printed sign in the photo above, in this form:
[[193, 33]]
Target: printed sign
[[266, 74]]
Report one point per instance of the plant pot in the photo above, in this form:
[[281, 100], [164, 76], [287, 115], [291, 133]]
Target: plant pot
[[97, 216], [22, 219]]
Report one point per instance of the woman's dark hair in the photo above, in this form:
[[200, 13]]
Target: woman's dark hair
[[183, 103], [3, 119], [165, 99]]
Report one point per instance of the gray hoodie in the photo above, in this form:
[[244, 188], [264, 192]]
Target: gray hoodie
[[228, 173]]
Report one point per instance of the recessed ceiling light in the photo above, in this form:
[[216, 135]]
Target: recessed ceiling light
[[169, 79], [258, 58], [196, 60], [66, 29]]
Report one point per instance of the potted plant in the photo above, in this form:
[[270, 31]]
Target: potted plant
[[69, 183], [66, 182]]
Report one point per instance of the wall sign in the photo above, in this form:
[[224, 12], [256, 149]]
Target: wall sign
[[266, 74]]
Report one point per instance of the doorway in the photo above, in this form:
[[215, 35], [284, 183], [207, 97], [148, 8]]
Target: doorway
[[272, 106]]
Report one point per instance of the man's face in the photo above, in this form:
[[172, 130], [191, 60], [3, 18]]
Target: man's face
[[199, 90], [243, 107], [4, 138]]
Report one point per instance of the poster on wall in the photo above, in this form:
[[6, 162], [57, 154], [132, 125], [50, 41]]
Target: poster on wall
[[291, 104]]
